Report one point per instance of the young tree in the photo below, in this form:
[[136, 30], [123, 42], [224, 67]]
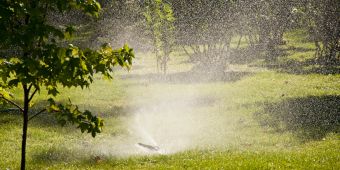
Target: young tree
[[160, 23], [33, 57]]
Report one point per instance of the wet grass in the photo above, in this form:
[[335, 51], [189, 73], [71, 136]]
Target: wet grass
[[310, 117], [265, 119], [316, 155], [297, 56]]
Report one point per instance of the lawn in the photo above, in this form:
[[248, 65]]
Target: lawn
[[254, 117]]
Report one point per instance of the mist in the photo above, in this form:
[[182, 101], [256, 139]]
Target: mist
[[212, 39]]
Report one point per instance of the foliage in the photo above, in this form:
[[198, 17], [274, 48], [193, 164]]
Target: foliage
[[39, 60], [106, 27], [323, 21], [33, 56], [159, 18], [204, 31], [263, 24]]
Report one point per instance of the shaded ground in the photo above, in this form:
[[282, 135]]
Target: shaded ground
[[309, 117], [190, 77], [305, 67]]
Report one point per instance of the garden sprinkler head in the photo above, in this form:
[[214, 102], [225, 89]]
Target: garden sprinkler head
[[149, 147]]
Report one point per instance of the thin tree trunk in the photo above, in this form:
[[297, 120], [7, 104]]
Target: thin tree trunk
[[239, 42], [165, 65], [24, 128], [185, 50]]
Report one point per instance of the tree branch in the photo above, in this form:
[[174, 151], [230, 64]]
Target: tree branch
[[13, 103], [37, 114], [32, 95], [186, 51], [29, 88]]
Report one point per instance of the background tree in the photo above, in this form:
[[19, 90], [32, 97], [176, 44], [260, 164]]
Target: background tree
[[204, 31], [34, 56], [159, 22], [128, 13], [263, 24], [323, 21]]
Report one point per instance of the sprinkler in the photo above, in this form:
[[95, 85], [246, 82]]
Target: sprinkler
[[149, 147]]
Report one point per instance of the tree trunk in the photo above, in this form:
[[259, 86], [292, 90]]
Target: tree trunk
[[24, 128], [239, 42]]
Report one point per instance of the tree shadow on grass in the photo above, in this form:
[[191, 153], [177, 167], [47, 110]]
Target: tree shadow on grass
[[298, 49], [50, 120], [54, 155], [10, 115], [190, 77], [309, 66], [308, 118]]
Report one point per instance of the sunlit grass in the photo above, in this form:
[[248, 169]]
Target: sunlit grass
[[299, 39]]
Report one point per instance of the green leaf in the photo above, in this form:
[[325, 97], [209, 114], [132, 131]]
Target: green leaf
[[52, 90], [5, 94], [69, 32], [14, 82], [41, 58]]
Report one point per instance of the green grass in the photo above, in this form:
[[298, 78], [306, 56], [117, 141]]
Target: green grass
[[246, 122], [315, 155], [298, 46]]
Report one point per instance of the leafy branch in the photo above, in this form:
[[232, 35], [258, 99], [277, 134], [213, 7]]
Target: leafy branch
[[12, 102]]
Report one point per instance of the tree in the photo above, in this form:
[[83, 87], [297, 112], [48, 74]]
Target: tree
[[33, 56], [323, 21], [128, 14], [204, 31], [264, 22], [160, 23]]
